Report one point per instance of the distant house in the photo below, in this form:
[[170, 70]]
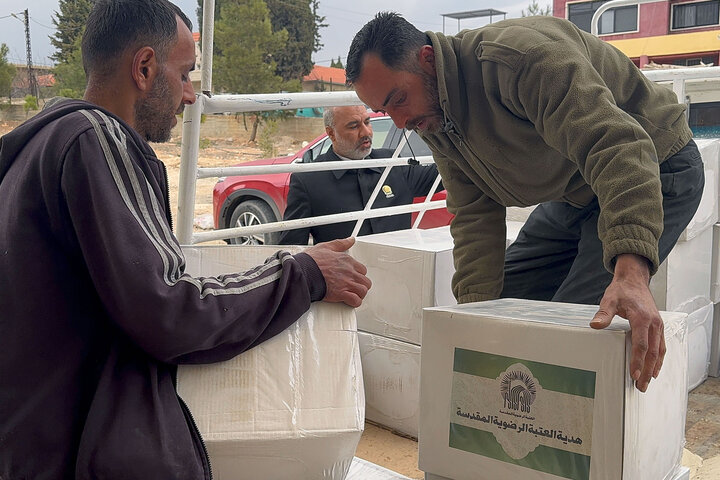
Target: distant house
[[21, 85], [324, 79]]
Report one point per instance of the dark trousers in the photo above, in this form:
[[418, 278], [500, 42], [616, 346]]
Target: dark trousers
[[558, 255]]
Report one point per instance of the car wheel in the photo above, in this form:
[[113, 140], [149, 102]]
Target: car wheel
[[253, 212]]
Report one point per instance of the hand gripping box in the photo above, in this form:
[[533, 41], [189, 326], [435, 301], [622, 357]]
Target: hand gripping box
[[410, 269], [391, 375], [526, 389], [292, 407]]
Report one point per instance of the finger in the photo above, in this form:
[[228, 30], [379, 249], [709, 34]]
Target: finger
[[604, 315], [663, 350], [351, 299], [340, 244], [639, 349], [357, 266], [651, 357]]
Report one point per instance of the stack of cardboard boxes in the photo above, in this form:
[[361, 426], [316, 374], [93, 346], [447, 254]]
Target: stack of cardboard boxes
[[684, 281], [410, 270], [292, 407]]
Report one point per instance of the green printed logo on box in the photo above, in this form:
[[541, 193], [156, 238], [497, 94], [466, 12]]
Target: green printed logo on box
[[530, 414]]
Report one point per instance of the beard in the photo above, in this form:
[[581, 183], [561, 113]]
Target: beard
[[155, 113], [352, 150], [434, 120]]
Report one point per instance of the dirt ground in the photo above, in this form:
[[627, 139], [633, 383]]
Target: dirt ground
[[378, 445]]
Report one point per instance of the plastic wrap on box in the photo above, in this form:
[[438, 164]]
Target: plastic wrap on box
[[410, 269], [685, 274], [707, 212], [526, 389], [292, 407], [715, 268], [714, 368], [364, 470], [391, 375], [700, 328]]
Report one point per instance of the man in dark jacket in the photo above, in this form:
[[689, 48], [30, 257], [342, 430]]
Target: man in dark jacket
[[97, 311], [313, 194], [535, 111]]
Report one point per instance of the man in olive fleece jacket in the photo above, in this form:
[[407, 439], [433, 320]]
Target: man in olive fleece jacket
[[534, 110]]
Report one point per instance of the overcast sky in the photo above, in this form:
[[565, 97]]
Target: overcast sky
[[343, 18]]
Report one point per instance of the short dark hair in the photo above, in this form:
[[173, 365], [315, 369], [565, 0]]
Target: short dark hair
[[395, 40], [114, 26]]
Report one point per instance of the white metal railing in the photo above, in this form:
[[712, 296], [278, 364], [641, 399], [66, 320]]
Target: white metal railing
[[190, 172], [207, 103]]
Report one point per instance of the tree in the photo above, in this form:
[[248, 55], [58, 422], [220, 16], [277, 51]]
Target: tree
[[299, 18], [318, 23], [535, 9], [295, 16], [70, 78], [70, 24], [7, 72], [337, 64], [245, 46]]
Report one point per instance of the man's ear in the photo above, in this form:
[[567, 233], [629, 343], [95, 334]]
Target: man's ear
[[330, 132], [427, 59], [144, 68]]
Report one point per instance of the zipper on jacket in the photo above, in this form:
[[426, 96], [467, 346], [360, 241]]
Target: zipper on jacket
[[194, 427], [167, 195]]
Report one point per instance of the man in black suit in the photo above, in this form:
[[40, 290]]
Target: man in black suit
[[313, 194]]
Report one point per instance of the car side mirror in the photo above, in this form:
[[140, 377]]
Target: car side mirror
[[307, 156]]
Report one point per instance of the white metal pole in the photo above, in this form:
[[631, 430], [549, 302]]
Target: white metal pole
[[208, 34], [322, 220], [421, 213], [188, 170]]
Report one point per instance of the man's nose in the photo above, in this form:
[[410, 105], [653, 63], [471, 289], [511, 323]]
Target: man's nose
[[188, 94], [366, 130], [399, 120]]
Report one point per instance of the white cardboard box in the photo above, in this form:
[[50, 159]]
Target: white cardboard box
[[364, 470], [715, 268], [700, 328], [523, 389], [410, 269], [707, 212], [714, 369], [512, 229], [685, 274], [391, 375], [292, 407], [682, 474]]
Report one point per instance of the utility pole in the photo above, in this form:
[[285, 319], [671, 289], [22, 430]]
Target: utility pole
[[32, 81]]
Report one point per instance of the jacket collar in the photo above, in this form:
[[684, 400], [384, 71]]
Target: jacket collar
[[331, 156], [450, 83]]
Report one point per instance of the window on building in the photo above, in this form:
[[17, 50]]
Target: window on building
[[697, 14], [615, 20], [689, 62]]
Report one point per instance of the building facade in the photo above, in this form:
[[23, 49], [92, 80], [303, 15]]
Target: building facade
[[663, 34], [666, 32]]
